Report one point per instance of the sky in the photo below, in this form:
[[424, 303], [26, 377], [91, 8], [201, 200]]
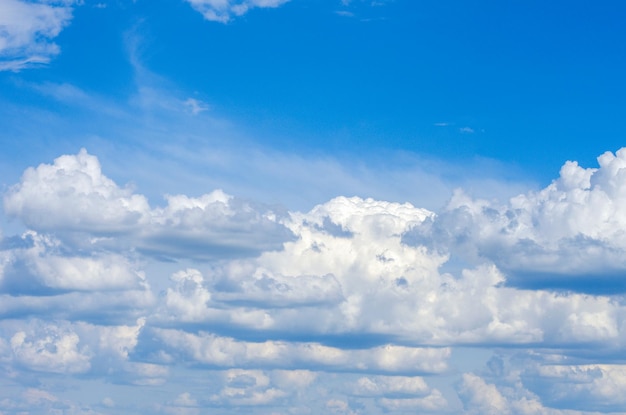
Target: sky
[[300, 207]]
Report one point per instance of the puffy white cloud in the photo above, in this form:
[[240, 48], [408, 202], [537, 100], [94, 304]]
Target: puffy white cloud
[[73, 195], [28, 28], [224, 10], [75, 348], [86, 209], [56, 351], [400, 393], [349, 273], [574, 227], [247, 388], [482, 398], [349, 302]]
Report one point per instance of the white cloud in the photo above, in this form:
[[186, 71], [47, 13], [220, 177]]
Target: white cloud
[[55, 351], [574, 395], [590, 386], [220, 351], [74, 199], [435, 402], [42, 277], [72, 195], [482, 398], [352, 306], [40, 263], [76, 348], [247, 388], [349, 272], [224, 10], [391, 385], [573, 227], [195, 106], [27, 29]]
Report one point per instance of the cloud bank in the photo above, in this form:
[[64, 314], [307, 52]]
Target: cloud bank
[[356, 306]]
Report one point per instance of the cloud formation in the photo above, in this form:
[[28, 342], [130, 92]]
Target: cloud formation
[[28, 29], [224, 10], [570, 234], [87, 209], [359, 302]]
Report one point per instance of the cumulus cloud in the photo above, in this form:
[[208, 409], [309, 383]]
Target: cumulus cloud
[[571, 234], [72, 195], [55, 351], [351, 301], [224, 10], [27, 30], [349, 273], [74, 199]]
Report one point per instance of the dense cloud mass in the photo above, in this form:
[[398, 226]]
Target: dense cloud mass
[[357, 306]]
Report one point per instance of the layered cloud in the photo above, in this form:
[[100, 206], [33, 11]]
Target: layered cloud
[[28, 30], [357, 306], [218, 351], [349, 273], [224, 10]]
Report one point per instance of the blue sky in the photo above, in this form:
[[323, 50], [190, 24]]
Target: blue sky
[[303, 207]]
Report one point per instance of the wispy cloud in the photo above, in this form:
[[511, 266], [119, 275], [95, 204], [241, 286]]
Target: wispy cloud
[[223, 11], [195, 106], [344, 13]]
